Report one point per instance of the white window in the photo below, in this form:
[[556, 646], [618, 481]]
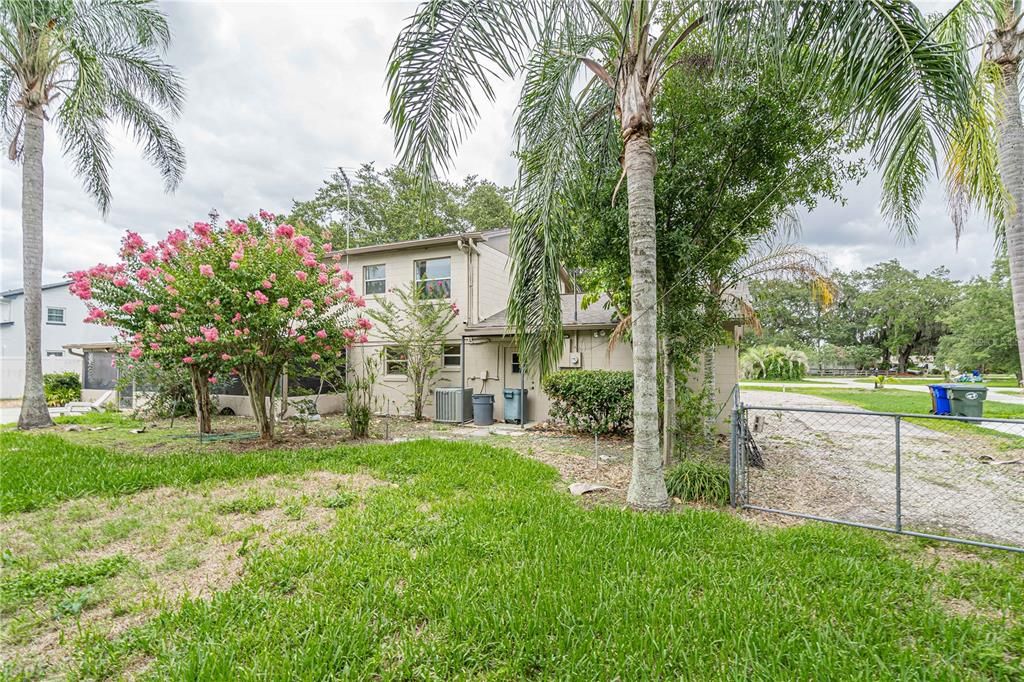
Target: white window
[[54, 353], [395, 361], [54, 316], [374, 279], [452, 356], [434, 275]]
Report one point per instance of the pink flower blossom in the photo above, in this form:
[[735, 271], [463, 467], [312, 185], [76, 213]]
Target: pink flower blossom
[[193, 340], [273, 277], [237, 227], [144, 274], [238, 332], [153, 308], [309, 262], [301, 275], [206, 270], [302, 243], [212, 380], [301, 338], [360, 302], [148, 256], [266, 284], [321, 334], [327, 247], [171, 290], [237, 255], [283, 302], [130, 306], [131, 243], [237, 317], [233, 265], [224, 356], [364, 323], [176, 315], [210, 333], [169, 278], [260, 297], [306, 303], [120, 281], [156, 365], [284, 231], [346, 275], [349, 334], [328, 300], [154, 346], [315, 357], [267, 216], [176, 237], [202, 229], [322, 278], [188, 359], [135, 353]]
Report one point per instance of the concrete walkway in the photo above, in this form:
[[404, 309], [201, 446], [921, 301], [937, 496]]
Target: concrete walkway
[[1003, 395]]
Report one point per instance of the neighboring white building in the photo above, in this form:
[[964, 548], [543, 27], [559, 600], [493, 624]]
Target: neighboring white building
[[62, 325]]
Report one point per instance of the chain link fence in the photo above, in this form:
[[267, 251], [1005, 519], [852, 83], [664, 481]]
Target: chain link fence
[[948, 478]]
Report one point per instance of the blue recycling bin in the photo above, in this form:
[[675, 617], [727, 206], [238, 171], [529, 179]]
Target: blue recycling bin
[[940, 399]]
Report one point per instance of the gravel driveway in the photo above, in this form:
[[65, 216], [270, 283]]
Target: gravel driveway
[[843, 466]]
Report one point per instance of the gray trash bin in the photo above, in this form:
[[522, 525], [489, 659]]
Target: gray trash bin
[[483, 409], [515, 405]]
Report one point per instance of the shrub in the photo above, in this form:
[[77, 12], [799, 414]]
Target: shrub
[[697, 480], [773, 362], [594, 401], [62, 388]]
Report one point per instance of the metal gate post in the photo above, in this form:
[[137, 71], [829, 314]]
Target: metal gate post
[[899, 491], [733, 450]]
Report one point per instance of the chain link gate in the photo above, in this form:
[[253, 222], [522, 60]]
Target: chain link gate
[[956, 479]]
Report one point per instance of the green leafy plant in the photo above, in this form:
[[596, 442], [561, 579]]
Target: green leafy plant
[[416, 325], [773, 362], [359, 398], [62, 388], [697, 480], [595, 401]]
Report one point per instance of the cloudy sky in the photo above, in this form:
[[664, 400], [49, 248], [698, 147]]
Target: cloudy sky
[[280, 93]]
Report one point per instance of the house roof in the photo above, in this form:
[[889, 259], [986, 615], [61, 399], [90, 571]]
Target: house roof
[[414, 243], [598, 315], [11, 293]]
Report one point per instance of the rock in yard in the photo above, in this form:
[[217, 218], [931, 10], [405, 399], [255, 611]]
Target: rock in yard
[[584, 488]]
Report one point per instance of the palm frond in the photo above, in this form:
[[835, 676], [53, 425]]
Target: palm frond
[[159, 145], [448, 52]]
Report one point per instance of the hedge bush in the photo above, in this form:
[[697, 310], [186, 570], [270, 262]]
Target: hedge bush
[[62, 388], [593, 401]]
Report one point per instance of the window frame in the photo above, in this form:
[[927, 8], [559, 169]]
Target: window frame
[[447, 279], [383, 280], [445, 356], [515, 364], [388, 362], [63, 315], [53, 354]]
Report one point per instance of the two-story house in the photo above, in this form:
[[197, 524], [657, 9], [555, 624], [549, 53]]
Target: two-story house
[[472, 271], [63, 325]]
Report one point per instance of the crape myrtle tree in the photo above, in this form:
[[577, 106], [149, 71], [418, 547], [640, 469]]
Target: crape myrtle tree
[[875, 61], [79, 65], [416, 325], [241, 299]]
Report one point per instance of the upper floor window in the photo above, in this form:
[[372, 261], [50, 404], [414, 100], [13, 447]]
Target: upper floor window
[[452, 356], [374, 279], [54, 353], [54, 316], [434, 275]]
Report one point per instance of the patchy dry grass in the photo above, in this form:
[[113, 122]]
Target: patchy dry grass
[[109, 564]]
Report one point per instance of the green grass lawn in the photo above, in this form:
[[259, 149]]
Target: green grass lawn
[[996, 381], [474, 563]]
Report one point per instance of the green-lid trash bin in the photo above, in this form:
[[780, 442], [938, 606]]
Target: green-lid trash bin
[[966, 400]]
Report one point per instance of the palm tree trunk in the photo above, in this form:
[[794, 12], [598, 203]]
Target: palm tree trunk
[[647, 484], [1011, 169], [33, 402], [668, 423]]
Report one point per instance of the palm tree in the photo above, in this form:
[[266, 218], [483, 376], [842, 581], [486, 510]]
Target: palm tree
[[877, 61], [977, 172], [80, 64]]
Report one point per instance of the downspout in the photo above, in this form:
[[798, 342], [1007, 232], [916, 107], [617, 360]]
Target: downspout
[[462, 373]]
